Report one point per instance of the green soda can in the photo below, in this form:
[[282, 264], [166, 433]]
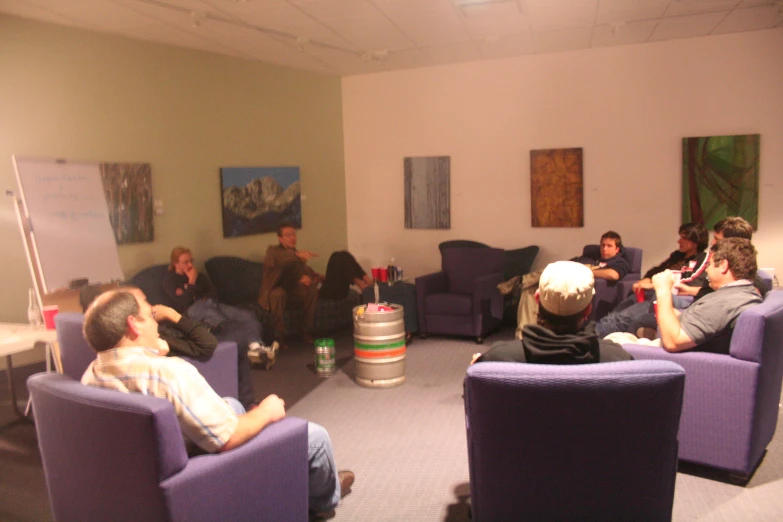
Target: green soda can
[[324, 357]]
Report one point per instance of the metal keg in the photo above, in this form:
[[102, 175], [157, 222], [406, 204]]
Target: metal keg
[[379, 346], [324, 357]]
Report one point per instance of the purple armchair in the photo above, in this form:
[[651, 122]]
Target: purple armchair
[[731, 401], [116, 456], [586, 442], [609, 293], [462, 299], [220, 370]]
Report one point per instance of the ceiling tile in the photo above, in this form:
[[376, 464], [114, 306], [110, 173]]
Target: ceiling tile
[[482, 24], [102, 15], [411, 33], [453, 53], [235, 37], [371, 36], [752, 18], [346, 63], [687, 26], [546, 15], [329, 10], [409, 59], [396, 7], [612, 11], [562, 40], [428, 28], [508, 45], [26, 10], [687, 7], [622, 34], [280, 16]]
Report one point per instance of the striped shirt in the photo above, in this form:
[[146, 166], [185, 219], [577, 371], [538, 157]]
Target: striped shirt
[[204, 418]]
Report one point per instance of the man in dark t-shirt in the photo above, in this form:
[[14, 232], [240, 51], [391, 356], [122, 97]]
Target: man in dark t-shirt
[[562, 334], [612, 265]]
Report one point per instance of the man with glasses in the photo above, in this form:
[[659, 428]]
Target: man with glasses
[[290, 282]]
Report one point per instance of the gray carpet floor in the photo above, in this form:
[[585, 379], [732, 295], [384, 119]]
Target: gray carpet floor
[[406, 444]]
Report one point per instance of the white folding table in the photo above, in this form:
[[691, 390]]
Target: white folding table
[[17, 338]]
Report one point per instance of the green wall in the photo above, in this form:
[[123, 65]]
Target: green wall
[[67, 93]]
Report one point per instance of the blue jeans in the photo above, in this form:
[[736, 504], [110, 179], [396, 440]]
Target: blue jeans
[[212, 313], [238, 325], [629, 316], [323, 482]]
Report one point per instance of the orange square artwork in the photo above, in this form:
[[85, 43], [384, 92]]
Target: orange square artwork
[[556, 188]]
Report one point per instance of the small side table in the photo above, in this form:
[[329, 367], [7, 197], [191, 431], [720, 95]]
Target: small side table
[[400, 293]]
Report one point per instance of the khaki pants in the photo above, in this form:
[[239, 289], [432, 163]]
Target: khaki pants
[[527, 312]]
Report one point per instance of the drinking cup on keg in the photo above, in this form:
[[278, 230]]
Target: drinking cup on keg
[[376, 273], [639, 294], [384, 274]]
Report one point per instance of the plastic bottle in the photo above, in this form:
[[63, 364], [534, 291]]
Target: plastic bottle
[[392, 271], [33, 312]]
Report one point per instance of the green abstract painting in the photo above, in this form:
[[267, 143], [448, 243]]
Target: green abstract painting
[[720, 178]]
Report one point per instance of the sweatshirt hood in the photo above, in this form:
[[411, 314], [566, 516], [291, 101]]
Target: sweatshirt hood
[[543, 346]]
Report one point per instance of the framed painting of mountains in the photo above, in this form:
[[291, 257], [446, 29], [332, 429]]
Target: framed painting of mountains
[[257, 199]]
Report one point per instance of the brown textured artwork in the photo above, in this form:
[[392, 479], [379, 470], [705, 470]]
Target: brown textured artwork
[[128, 190], [556, 188]]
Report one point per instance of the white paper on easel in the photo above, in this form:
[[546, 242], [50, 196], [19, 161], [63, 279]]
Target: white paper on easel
[[68, 222]]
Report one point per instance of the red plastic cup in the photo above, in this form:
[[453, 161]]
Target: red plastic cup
[[639, 295], [655, 307], [384, 274], [48, 315], [376, 273]]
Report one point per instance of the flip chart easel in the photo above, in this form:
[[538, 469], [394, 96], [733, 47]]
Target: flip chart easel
[[64, 221]]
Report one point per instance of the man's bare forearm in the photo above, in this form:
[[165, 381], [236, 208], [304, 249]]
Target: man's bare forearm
[[606, 273], [251, 423]]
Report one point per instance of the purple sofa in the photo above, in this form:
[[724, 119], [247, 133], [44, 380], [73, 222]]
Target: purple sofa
[[220, 370], [731, 401], [463, 298], [609, 293], [116, 456], [581, 442]]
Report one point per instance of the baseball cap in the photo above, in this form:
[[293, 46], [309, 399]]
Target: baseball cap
[[566, 288]]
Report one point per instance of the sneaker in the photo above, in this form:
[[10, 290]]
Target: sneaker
[[260, 354]]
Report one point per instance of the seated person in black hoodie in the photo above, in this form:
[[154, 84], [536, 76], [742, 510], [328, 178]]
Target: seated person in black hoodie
[[562, 334]]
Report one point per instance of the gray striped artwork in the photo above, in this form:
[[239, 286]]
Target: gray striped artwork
[[427, 192]]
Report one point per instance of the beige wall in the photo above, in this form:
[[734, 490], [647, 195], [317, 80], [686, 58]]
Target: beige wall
[[79, 95], [627, 107]]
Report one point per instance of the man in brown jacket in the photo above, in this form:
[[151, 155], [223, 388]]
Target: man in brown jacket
[[289, 282]]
